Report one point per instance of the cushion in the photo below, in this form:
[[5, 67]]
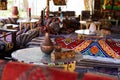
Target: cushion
[[24, 38], [5, 46]]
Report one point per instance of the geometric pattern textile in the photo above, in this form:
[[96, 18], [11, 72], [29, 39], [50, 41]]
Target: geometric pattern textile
[[103, 47]]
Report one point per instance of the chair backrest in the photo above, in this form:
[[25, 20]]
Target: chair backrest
[[85, 15]]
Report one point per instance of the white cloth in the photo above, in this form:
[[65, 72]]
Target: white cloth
[[92, 28]]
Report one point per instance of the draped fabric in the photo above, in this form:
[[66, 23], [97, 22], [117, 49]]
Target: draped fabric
[[104, 3], [86, 4], [89, 5], [25, 4], [108, 3]]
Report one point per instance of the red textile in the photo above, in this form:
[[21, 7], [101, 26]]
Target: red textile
[[13, 70], [21, 71], [91, 76], [69, 43], [115, 45]]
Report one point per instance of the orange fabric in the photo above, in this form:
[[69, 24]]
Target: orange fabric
[[91, 76]]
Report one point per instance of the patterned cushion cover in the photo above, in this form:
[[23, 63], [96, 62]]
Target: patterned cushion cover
[[5, 46], [8, 20], [24, 38]]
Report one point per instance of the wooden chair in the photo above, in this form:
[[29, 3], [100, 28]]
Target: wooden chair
[[5, 45]]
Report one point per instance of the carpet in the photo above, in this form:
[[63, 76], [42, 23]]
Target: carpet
[[104, 47], [102, 55]]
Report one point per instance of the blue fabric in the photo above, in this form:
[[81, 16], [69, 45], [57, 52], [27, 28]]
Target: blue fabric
[[100, 53], [2, 46], [5, 46]]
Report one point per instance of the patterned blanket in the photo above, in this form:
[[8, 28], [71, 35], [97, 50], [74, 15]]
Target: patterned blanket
[[102, 47]]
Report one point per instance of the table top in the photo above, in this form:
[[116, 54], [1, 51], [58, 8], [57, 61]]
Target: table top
[[5, 27], [83, 31], [86, 32], [27, 21], [36, 56], [96, 35], [84, 22], [29, 55]]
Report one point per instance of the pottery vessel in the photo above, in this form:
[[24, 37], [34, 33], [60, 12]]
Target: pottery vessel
[[47, 46]]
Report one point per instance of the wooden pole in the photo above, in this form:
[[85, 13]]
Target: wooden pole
[[47, 10]]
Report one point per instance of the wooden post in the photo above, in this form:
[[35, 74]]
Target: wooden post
[[47, 10]]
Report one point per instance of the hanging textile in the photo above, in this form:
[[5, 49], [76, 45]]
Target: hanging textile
[[86, 2], [89, 5], [25, 4]]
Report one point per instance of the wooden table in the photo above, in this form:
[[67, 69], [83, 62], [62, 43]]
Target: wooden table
[[36, 56], [82, 33], [25, 21], [87, 23], [9, 31]]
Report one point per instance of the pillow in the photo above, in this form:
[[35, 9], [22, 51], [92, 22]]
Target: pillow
[[13, 20], [24, 38], [5, 46]]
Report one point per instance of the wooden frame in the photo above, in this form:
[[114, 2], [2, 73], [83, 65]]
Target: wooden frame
[[12, 32], [59, 2], [3, 4]]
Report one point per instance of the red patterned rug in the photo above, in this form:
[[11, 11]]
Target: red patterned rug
[[106, 47]]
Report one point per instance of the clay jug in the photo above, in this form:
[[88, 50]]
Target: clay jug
[[47, 46]]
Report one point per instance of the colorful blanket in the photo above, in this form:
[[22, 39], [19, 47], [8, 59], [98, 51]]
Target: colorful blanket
[[103, 47]]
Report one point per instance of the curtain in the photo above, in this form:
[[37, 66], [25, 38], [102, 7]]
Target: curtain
[[89, 4], [25, 4], [86, 2]]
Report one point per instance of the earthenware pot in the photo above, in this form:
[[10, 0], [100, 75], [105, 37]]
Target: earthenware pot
[[47, 46]]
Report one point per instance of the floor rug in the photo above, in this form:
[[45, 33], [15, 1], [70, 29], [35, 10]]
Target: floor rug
[[103, 47]]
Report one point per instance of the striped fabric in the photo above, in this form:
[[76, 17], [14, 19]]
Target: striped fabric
[[8, 20], [24, 38], [36, 42]]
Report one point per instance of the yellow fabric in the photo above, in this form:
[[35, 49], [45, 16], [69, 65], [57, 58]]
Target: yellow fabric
[[104, 4], [86, 4]]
